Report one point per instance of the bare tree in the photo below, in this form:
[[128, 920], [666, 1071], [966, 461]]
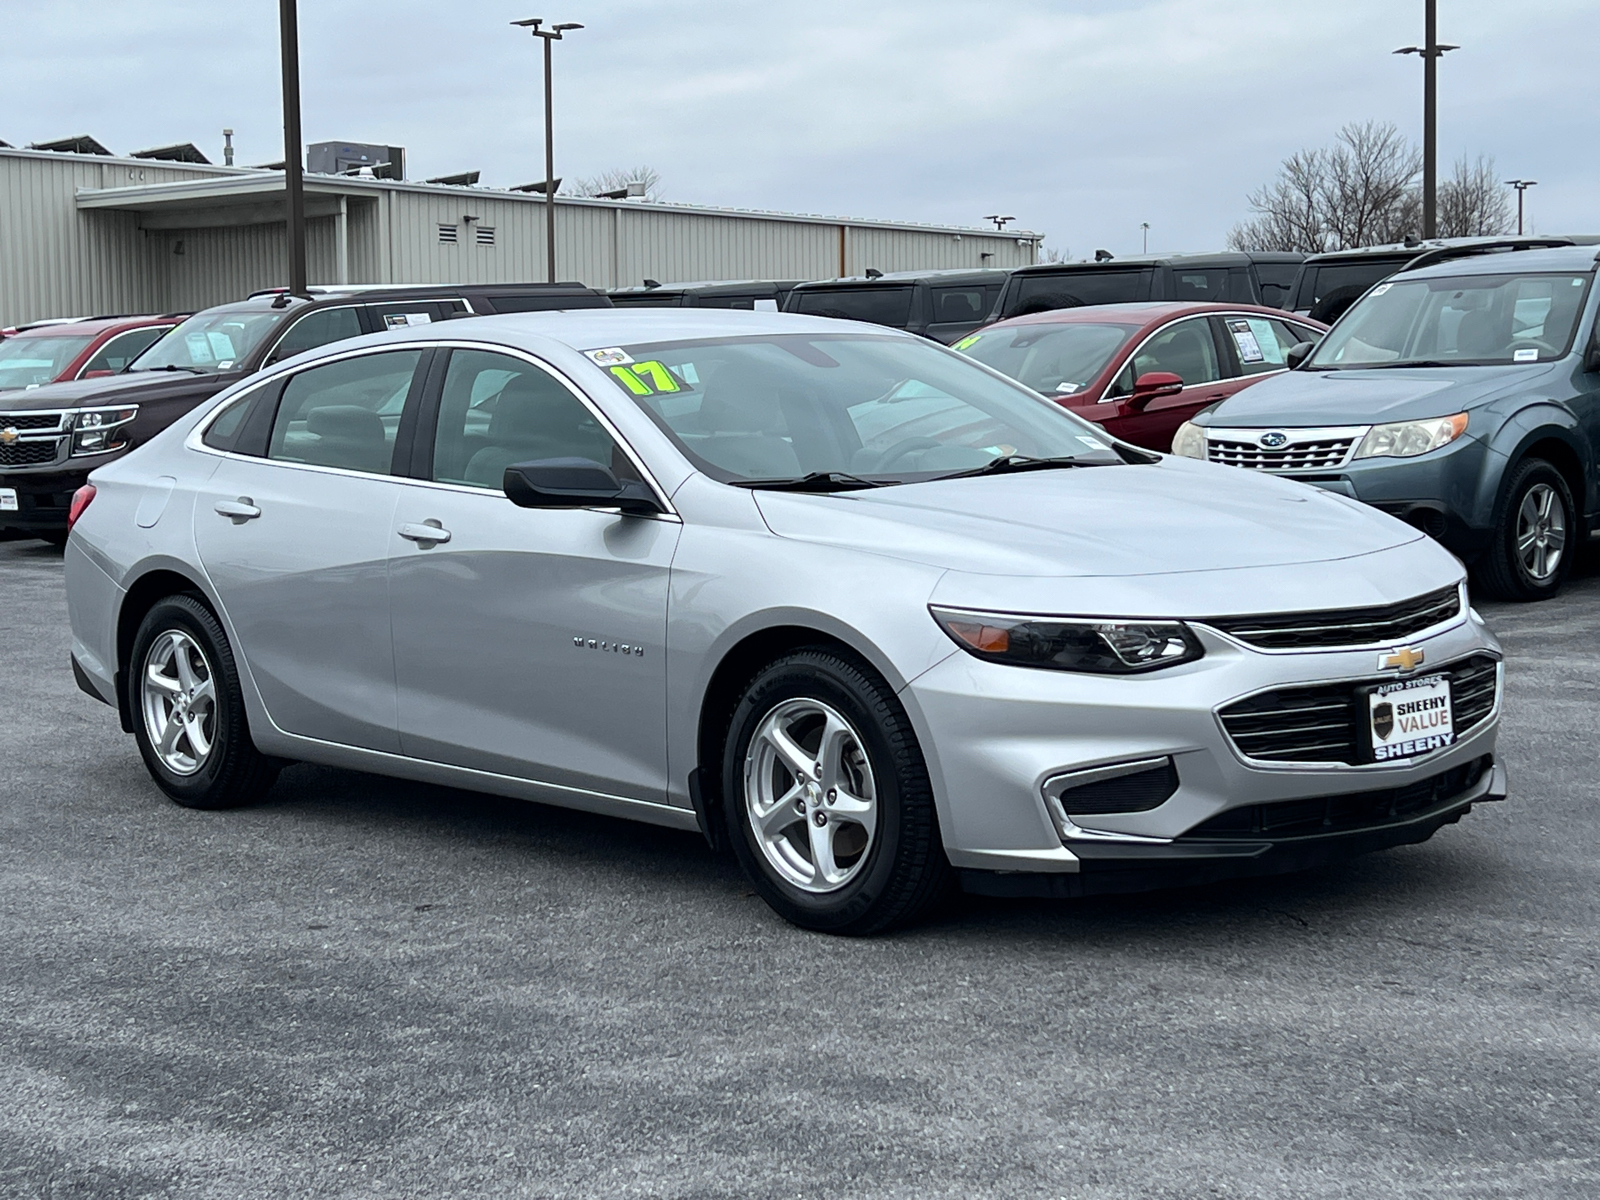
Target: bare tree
[[1473, 202], [1358, 192], [1049, 254], [618, 178]]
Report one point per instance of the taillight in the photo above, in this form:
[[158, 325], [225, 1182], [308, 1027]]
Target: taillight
[[80, 501]]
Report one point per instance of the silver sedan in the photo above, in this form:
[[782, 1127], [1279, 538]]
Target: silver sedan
[[871, 615]]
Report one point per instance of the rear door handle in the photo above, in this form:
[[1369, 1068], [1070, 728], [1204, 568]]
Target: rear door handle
[[241, 510], [429, 533]]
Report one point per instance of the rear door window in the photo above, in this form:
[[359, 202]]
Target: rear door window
[[1199, 285], [402, 314], [880, 306], [345, 414]]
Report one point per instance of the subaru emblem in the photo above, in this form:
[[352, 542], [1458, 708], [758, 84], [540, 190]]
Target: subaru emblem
[[1275, 440]]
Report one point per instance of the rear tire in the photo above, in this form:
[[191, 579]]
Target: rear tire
[[826, 797], [1535, 534], [188, 709]]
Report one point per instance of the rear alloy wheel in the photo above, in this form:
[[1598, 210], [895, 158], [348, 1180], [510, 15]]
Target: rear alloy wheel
[[827, 800], [188, 708], [1531, 551]]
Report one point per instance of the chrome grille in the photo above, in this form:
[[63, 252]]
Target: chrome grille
[[24, 421], [1320, 723], [1303, 449], [31, 453], [1343, 627]]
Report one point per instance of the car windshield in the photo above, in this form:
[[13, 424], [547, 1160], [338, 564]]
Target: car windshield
[[1477, 320], [30, 361], [214, 341], [886, 410], [1058, 360]]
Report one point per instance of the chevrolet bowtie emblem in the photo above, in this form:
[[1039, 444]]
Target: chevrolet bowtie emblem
[[1403, 659], [8, 437]]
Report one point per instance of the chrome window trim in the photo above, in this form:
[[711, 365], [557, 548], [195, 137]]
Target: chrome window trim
[[194, 439], [1157, 332], [1261, 764], [1388, 644], [1286, 319]]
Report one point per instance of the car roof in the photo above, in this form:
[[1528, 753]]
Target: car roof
[[1142, 313], [1511, 261], [1222, 258], [953, 275], [95, 326], [1405, 252], [704, 287]]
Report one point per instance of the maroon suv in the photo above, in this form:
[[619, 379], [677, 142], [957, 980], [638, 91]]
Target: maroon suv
[[1141, 370]]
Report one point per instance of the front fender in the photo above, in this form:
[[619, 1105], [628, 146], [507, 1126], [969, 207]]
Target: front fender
[[1528, 425]]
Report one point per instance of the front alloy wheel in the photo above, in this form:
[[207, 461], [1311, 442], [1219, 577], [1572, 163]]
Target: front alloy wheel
[[826, 797], [1531, 549]]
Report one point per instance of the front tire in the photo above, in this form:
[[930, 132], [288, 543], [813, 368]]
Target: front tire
[[1531, 549], [188, 709], [827, 800]]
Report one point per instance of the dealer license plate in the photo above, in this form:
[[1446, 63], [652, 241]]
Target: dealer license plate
[[8, 499], [1411, 718]]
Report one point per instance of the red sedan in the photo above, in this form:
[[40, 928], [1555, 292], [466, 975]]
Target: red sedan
[[1141, 370], [57, 351]]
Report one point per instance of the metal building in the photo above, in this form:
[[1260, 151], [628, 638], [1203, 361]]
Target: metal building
[[89, 233]]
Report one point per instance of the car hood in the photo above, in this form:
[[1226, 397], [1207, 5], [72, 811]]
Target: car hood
[[1368, 397], [133, 388], [1168, 518]]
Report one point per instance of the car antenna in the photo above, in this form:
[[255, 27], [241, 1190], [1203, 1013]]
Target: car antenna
[[1103, 256], [874, 273], [651, 283], [282, 300]]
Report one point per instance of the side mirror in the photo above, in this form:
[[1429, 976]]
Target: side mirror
[[1298, 353], [1151, 385], [575, 483], [101, 374], [1591, 357]]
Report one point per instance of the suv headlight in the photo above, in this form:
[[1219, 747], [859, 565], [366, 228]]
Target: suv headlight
[[99, 430], [1097, 645], [1189, 441], [1407, 439]]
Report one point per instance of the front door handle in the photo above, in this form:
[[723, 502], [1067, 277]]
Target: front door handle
[[241, 510], [429, 533]]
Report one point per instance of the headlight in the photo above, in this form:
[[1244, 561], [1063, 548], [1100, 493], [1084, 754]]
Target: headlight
[[1407, 439], [1189, 441], [1097, 645], [98, 430]]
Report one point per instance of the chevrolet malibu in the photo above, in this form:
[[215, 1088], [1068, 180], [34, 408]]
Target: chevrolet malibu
[[868, 613]]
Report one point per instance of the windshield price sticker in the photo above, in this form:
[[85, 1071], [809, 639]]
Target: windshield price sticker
[[649, 378], [405, 320], [1411, 718], [967, 342]]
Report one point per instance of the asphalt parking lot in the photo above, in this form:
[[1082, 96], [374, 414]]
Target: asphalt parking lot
[[375, 989]]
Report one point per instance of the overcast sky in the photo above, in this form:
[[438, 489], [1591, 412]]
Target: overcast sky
[[1080, 117]]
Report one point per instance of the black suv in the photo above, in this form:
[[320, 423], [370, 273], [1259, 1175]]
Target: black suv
[[1327, 284], [743, 293], [51, 437], [1232, 277], [942, 305]]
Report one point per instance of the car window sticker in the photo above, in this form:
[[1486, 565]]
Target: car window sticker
[[650, 378], [1244, 337], [1267, 340], [609, 356], [401, 320], [966, 343]]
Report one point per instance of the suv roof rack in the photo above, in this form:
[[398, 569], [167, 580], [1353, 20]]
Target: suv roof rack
[[1500, 246]]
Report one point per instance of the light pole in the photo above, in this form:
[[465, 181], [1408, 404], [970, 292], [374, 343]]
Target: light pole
[[1144, 229], [1431, 52], [293, 179], [1521, 185], [553, 34]]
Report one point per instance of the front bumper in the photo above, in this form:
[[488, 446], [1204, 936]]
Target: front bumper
[[43, 497], [997, 735]]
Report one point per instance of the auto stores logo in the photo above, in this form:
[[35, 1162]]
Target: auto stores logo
[[1275, 440]]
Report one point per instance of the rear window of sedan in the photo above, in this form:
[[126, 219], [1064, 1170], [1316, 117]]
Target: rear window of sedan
[[1058, 360]]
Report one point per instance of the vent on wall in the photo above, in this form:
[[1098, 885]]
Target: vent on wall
[[447, 235], [485, 235]]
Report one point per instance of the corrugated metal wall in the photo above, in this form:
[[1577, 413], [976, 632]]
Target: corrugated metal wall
[[57, 260]]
